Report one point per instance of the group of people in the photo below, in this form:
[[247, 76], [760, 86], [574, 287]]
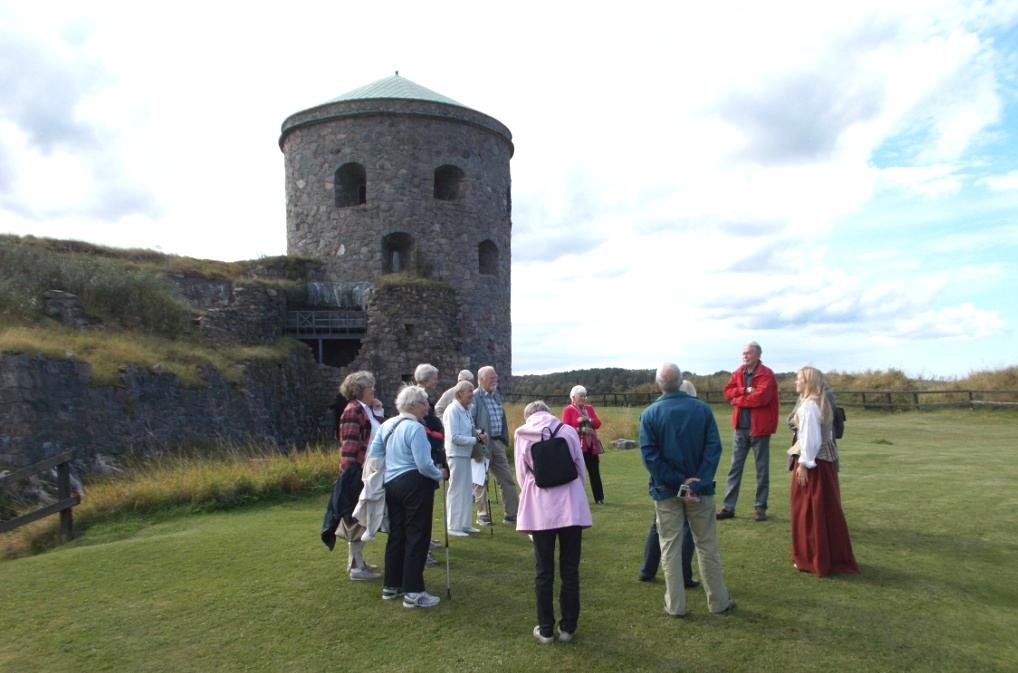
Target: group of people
[[394, 467]]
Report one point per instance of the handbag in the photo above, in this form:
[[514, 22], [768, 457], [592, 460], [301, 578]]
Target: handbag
[[553, 462]]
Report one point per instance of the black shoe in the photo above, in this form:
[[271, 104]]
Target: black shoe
[[760, 515], [692, 584], [644, 578], [725, 514]]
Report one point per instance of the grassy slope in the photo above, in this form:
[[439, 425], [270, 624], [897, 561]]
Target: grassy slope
[[931, 516]]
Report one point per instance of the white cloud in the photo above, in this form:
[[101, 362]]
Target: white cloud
[[962, 322], [1008, 182]]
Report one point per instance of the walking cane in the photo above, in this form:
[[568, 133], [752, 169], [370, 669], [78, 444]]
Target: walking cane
[[487, 495], [445, 518]]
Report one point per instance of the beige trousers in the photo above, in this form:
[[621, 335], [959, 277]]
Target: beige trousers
[[671, 514], [352, 534]]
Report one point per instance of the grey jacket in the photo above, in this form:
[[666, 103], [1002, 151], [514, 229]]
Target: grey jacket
[[482, 419]]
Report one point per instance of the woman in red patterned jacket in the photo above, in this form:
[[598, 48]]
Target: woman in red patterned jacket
[[357, 425], [583, 418]]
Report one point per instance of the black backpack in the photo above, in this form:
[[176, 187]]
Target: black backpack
[[553, 463], [839, 422]]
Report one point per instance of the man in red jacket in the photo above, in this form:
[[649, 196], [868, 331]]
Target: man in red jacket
[[753, 394]]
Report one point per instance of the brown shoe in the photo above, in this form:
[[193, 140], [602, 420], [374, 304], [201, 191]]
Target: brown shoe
[[725, 514], [761, 515]]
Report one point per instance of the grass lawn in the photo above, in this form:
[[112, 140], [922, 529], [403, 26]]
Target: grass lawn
[[930, 498]]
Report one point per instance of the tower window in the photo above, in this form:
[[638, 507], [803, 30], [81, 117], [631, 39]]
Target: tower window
[[487, 258], [396, 252], [449, 183], [351, 185]]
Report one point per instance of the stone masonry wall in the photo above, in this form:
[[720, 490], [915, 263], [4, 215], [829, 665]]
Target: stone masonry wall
[[409, 325], [48, 406]]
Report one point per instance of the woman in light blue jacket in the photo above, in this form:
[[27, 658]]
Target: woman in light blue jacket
[[411, 478]]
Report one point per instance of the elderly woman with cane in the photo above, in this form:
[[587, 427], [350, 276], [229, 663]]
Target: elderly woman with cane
[[549, 514], [411, 477]]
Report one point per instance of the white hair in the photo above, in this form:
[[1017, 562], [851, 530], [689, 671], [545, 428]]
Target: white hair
[[688, 388], [465, 375], [668, 377], [534, 407], [484, 371], [461, 386], [753, 344], [410, 395], [425, 373], [577, 390]]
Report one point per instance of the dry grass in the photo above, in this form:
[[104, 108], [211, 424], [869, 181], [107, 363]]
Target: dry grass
[[186, 483], [108, 352]]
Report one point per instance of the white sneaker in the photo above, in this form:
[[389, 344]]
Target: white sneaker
[[364, 574], [420, 599], [544, 640], [563, 636], [471, 530], [458, 533]]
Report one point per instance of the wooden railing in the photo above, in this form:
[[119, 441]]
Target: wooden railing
[[889, 400], [66, 501]]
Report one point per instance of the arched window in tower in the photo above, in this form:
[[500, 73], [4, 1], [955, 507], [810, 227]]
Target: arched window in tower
[[449, 181], [396, 249], [351, 185], [487, 258]]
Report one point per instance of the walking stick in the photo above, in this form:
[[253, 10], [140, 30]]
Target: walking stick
[[487, 496], [445, 518]]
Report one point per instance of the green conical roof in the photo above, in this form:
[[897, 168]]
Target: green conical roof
[[396, 87]]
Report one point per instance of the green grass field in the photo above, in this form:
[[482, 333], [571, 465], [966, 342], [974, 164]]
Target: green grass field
[[930, 498]]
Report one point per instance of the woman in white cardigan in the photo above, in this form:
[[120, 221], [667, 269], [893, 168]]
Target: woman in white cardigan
[[460, 438]]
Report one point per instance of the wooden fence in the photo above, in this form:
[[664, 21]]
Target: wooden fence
[[66, 501], [888, 400]]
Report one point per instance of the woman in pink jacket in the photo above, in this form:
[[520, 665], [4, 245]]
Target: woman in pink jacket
[[560, 512]]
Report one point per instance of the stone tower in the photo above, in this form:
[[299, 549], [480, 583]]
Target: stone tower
[[393, 177]]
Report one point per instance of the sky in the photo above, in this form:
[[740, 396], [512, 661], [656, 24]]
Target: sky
[[836, 181]]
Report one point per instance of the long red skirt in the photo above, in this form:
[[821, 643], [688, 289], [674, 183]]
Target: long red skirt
[[820, 541]]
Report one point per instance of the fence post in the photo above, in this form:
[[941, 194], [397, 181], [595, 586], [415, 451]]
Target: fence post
[[64, 492], [915, 400], [890, 406]]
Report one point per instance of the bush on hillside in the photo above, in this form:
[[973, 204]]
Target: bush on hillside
[[122, 297]]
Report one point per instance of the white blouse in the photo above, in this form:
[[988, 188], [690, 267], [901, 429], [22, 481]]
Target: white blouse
[[810, 436]]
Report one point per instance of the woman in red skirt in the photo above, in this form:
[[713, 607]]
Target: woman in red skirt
[[820, 542]]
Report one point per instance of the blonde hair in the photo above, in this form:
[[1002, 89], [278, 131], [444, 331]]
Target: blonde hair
[[814, 387]]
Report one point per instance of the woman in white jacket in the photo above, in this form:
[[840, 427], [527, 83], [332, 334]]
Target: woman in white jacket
[[460, 438]]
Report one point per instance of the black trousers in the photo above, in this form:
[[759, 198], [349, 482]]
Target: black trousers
[[410, 498], [652, 553], [593, 464], [569, 540]]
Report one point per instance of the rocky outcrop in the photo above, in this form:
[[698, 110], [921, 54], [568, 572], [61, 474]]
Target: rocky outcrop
[[65, 308], [50, 405]]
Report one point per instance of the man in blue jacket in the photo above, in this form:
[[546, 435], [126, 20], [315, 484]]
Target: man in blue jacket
[[681, 449]]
